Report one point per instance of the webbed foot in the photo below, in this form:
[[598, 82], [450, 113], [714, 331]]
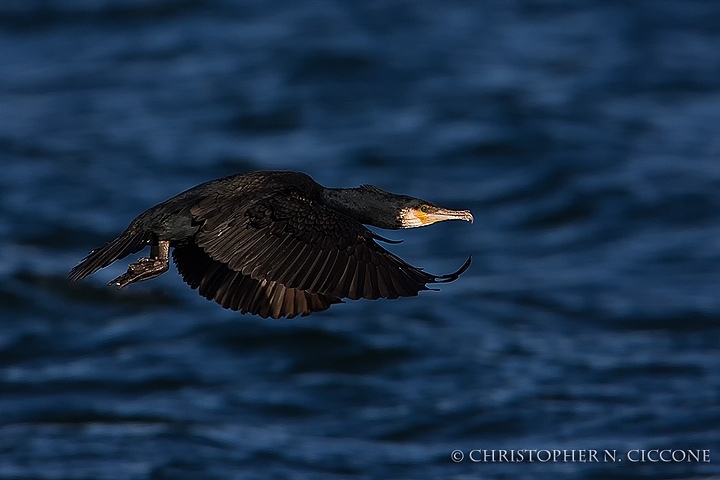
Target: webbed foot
[[146, 268]]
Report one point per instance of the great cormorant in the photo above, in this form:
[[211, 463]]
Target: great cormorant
[[276, 244]]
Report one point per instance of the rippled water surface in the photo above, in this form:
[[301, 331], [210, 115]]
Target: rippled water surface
[[584, 136]]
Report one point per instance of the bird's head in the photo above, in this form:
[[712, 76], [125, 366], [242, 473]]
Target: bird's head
[[373, 206], [418, 213]]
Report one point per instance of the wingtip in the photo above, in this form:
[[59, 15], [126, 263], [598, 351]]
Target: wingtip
[[386, 240], [455, 275]]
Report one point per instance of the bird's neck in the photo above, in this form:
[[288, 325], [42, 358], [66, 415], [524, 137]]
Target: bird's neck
[[366, 204]]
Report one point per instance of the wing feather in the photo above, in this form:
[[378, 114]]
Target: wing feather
[[236, 291]]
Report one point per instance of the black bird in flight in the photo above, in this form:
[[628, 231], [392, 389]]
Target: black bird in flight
[[276, 244]]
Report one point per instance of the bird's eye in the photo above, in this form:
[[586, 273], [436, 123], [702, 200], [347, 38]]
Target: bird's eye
[[423, 208]]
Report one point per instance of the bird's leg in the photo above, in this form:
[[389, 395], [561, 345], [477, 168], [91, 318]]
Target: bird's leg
[[146, 268]]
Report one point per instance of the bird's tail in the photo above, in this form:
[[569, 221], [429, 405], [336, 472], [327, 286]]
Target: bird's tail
[[126, 244]]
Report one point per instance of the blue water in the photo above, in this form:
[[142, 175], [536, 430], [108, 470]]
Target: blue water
[[584, 136]]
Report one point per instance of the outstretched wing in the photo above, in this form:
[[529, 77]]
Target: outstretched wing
[[291, 239], [233, 290]]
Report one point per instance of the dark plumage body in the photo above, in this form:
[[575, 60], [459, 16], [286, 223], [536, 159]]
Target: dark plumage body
[[276, 243]]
